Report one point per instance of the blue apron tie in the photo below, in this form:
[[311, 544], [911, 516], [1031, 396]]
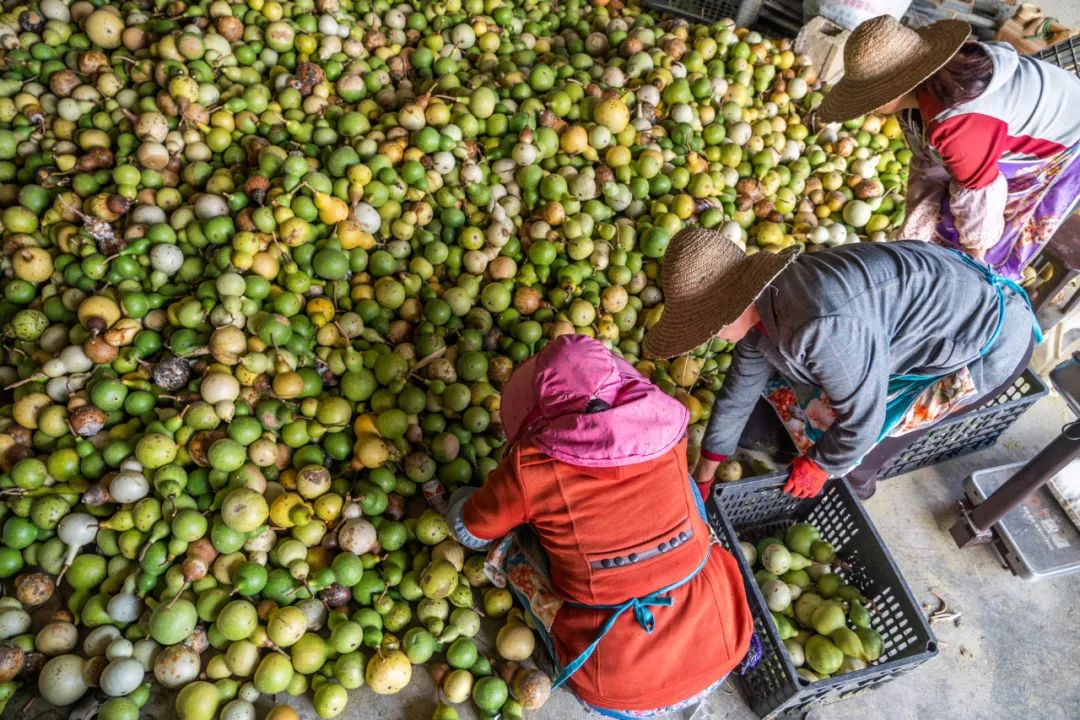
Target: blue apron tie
[[644, 617], [640, 606], [903, 390], [999, 282]]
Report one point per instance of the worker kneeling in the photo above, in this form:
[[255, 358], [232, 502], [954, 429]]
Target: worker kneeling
[[641, 611]]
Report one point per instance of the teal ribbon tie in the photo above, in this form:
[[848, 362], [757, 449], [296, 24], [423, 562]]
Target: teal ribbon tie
[[1000, 283], [642, 614], [904, 390]]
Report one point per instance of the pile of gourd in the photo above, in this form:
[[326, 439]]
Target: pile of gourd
[[267, 266]]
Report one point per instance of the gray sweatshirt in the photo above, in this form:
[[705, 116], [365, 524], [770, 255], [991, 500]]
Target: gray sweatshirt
[[845, 319]]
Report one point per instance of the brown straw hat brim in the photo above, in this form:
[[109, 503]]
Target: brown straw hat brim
[[688, 322], [851, 98]]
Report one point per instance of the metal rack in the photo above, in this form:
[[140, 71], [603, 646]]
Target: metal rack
[[743, 12], [784, 16], [1064, 54], [984, 16], [987, 513]]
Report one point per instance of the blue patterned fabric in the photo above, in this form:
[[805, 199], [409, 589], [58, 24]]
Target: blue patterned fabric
[[754, 654], [456, 521], [905, 389]]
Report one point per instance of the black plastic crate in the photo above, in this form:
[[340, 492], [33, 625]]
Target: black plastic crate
[[753, 509], [971, 431], [784, 17], [743, 12], [1065, 54]]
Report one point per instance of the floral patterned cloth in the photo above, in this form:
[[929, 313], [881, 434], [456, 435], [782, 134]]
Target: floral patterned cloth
[[1041, 195], [804, 410], [939, 400], [521, 565], [806, 413]]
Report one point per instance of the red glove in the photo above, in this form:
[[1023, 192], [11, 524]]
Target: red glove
[[805, 479], [705, 486]]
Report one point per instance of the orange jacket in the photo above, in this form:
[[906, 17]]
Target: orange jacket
[[591, 517]]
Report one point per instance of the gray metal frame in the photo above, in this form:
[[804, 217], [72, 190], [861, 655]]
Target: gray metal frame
[[976, 523]]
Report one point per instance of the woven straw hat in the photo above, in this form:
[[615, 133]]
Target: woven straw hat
[[884, 60], [708, 282]]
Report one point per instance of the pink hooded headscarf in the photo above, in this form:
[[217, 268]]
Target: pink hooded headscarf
[[583, 405]]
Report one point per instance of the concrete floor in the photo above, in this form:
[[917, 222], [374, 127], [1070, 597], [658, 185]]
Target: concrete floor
[[1067, 11], [1014, 654]]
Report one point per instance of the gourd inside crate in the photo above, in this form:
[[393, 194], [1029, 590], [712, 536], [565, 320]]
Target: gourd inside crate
[[783, 683]]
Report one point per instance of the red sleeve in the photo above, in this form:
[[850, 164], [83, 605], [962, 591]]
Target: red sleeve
[[970, 146], [499, 506]]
